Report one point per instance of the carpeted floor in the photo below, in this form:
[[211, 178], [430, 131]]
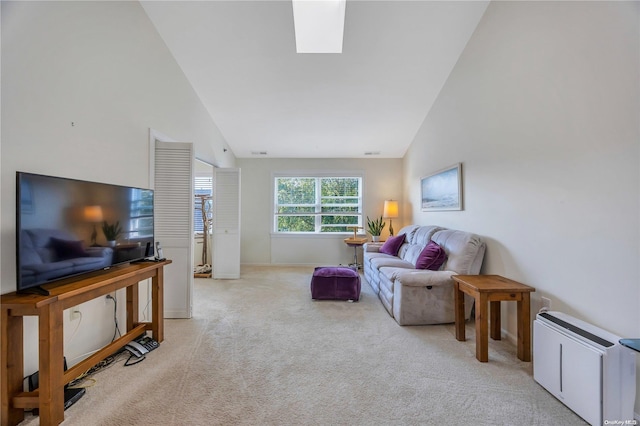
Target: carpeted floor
[[259, 351]]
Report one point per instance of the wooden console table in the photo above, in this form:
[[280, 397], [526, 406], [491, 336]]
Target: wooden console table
[[493, 289], [49, 397]]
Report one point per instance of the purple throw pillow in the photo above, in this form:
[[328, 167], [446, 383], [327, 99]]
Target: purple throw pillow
[[392, 245], [431, 257]]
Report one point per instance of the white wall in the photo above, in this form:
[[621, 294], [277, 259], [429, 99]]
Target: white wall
[[382, 180], [543, 111], [103, 67]]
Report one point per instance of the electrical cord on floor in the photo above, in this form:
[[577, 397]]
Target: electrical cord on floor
[[127, 363], [102, 365], [116, 332]]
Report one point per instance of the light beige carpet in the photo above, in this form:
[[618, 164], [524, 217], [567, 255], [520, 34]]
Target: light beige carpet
[[259, 351]]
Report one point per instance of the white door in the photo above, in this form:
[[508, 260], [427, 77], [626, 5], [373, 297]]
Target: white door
[[226, 223], [173, 197]]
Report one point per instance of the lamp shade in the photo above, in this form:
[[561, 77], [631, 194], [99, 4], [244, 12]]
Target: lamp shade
[[93, 214], [390, 209]]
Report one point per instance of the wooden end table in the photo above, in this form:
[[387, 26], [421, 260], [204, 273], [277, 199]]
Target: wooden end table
[[493, 289], [355, 242]]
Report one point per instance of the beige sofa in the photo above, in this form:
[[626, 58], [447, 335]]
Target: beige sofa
[[418, 296]]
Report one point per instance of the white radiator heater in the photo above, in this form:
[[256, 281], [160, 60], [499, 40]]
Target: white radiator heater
[[585, 367]]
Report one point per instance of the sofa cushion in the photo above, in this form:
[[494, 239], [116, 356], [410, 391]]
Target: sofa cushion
[[423, 235], [334, 271], [409, 232], [392, 245], [431, 257], [386, 260], [465, 250], [416, 242]]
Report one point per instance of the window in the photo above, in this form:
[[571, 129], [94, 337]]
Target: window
[[327, 204], [141, 221], [203, 187]]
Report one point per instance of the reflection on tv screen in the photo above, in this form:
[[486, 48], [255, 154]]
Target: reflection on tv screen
[[67, 227]]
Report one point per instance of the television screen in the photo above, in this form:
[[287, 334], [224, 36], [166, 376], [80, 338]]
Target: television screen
[[67, 227]]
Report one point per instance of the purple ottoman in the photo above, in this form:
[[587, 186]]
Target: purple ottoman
[[335, 282]]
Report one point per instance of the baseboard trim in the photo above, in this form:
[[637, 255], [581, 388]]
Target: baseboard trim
[[177, 315], [509, 336], [284, 264]]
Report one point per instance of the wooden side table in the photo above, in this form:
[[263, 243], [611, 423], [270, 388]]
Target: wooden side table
[[355, 243], [493, 289]]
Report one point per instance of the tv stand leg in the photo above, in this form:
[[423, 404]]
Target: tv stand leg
[[12, 370], [51, 389], [157, 305], [133, 300]]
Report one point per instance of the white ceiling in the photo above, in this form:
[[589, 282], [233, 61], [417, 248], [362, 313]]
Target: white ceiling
[[240, 57]]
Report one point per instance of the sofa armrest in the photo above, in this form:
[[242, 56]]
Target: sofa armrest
[[424, 278], [372, 247], [99, 251]]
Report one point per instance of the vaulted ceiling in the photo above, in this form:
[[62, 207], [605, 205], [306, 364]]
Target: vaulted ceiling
[[370, 100]]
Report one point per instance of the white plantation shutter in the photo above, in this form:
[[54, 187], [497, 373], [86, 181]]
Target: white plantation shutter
[[173, 197], [226, 223]]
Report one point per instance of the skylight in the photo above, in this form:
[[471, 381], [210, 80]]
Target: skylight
[[319, 25]]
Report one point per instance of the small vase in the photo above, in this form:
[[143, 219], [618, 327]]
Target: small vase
[[375, 238], [111, 243]]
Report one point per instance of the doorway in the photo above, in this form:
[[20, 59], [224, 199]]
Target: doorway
[[203, 219]]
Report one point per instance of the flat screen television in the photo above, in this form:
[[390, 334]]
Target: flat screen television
[[67, 227]]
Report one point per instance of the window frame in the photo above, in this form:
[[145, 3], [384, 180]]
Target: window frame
[[135, 230], [197, 179], [318, 214]]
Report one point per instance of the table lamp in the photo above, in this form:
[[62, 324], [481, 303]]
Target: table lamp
[[391, 212], [93, 214]]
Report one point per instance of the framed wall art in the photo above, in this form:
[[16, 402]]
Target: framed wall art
[[442, 190]]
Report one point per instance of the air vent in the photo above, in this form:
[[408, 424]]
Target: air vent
[[258, 152], [372, 153]]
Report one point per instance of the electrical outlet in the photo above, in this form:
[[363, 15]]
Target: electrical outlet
[[546, 303], [74, 313]]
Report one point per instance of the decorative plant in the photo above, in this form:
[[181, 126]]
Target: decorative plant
[[375, 226], [111, 232]]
